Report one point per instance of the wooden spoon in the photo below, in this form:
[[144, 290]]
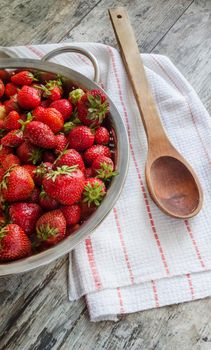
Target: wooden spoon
[[171, 181]]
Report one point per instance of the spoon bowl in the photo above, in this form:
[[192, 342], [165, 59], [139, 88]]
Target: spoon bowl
[[173, 187]]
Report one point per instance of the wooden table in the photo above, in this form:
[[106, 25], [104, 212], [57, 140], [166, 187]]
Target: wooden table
[[35, 312]]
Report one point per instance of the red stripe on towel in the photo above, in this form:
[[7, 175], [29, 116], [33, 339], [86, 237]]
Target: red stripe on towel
[[155, 293], [92, 264], [136, 165], [123, 245], [190, 286], [119, 294], [194, 243]]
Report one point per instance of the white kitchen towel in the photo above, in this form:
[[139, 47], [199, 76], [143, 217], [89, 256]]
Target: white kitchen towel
[[139, 258]]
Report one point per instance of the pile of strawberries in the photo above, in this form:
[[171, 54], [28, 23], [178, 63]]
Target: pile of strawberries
[[55, 160]]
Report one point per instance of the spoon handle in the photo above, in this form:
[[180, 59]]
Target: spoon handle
[[136, 73]]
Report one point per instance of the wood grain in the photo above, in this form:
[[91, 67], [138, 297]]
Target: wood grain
[[35, 313]]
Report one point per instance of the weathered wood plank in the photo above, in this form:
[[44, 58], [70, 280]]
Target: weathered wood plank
[[35, 312], [25, 21], [151, 20]]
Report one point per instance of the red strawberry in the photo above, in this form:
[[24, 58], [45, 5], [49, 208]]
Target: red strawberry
[[35, 196], [3, 112], [10, 160], [48, 156], [50, 117], [46, 202], [88, 172], [39, 112], [10, 89], [28, 97], [13, 139], [70, 157], [40, 171], [103, 168], [11, 122], [102, 136], [64, 107], [75, 96], [81, 138], [94, 191], [72, 213], [3, 152], [87, 210], [2, 88], [31, 169], [23, 78], [92, 108], [12, 104], [29, 153], [14, 243], [64, 184], [72, 229], [1, 174], [4, 75], [61, 143], [95, 151], [53, 90], [39, 134], [51, 227], [17, 184], [25, 215]]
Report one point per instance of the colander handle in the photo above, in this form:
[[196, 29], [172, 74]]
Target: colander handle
[[78, 50]]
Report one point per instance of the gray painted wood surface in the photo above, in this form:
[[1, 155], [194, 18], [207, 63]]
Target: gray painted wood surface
[[34, 311]]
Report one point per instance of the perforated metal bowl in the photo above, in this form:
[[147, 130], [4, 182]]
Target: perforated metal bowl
[[122, 155]]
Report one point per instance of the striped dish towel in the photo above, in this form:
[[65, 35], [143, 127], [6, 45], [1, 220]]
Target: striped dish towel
[[139, 258]]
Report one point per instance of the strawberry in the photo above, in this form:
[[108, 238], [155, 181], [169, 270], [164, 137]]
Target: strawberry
[[72, 213], [64, 184], [70, 157], [64, 107], [92, 108], [51, 227], [48, 156], [46, 202], [95, 151], [87, 210], [40, 171], [3, 152], [28, 97], [29, 153], [25, 215], [94, 191], [22, 78], [17, 184], [4, 75], [71, 229], [31, 169], [11, 122], [10, 89], [13, 139], [12, 104], [75, 96], [35, 196], [61, 143], [81, 138], [2, 88], [50, 117], [10, 160], [39, 112], [1, 174], [53, 90], [14, 243], [88, 172], [3, 112], [102, 136], [39, 134], [103, 168]]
